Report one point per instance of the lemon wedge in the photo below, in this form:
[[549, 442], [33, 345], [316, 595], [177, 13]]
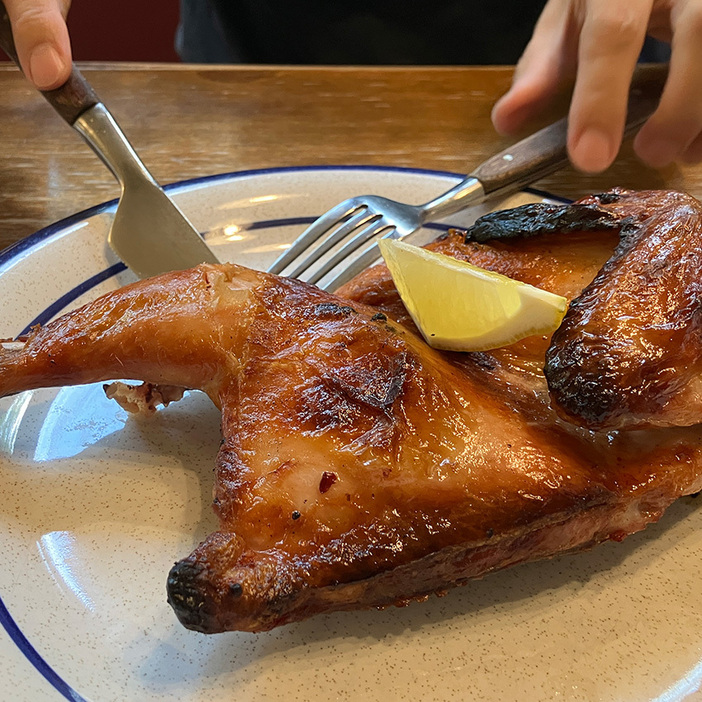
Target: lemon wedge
[[461, 307]]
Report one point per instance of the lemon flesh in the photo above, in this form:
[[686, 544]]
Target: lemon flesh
[[461, 307]]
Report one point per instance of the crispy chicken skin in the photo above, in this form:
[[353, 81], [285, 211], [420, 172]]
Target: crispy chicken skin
[[628, 352], [359, 467]]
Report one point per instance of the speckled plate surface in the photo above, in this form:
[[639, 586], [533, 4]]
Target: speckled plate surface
[[95, 507]]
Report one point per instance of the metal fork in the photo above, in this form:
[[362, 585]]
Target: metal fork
[[354, 222]]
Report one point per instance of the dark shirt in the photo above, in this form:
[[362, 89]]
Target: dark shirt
[[389, 32], [381, 32]]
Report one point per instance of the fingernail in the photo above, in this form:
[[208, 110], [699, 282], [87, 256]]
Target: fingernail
[[594, 151], [45, 67]]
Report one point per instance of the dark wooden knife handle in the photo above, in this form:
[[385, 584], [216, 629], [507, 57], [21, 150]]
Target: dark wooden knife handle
[[73, 98], [546, 150]]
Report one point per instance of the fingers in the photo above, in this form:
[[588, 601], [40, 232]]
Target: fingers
[[548, 60], [674, 131], [41, 38], [612, 35]]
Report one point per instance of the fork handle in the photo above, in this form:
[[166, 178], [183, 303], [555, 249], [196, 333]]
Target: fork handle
[[546, 151], [73, 98]]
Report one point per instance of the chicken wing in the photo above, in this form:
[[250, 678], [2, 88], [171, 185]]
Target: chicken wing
[[627, 354]]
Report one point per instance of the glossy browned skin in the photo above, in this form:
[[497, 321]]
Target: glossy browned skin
[[359, 467], [627, 354]]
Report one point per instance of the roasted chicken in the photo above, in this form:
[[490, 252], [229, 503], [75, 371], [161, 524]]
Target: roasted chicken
[[359, 467]]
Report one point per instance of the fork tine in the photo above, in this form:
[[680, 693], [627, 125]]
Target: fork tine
[[342, 211], [369, 255], [357, 220], [349, 247]]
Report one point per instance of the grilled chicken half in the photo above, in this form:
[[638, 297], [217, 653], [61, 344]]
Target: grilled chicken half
[[359, 467]]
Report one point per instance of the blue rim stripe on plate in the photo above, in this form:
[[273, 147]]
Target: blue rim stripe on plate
[[30, 242], [34, 658], [291, 221], [67, 298], [53, 309]]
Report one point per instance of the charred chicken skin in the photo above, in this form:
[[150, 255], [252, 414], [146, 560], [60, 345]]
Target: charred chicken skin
[[359, 467]]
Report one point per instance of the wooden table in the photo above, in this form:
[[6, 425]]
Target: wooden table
[[190, 121]]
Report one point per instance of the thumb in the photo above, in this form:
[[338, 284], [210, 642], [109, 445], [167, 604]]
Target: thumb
[[41, 39]]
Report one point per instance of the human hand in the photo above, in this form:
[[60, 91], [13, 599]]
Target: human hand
[[41, 39], [598, 42]]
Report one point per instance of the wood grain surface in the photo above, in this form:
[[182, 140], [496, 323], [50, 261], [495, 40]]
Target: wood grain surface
[[190, 121]]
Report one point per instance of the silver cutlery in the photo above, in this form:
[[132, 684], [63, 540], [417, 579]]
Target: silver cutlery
[[149, 232]]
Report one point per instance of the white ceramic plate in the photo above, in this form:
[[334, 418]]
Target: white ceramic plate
[[96, 507]]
